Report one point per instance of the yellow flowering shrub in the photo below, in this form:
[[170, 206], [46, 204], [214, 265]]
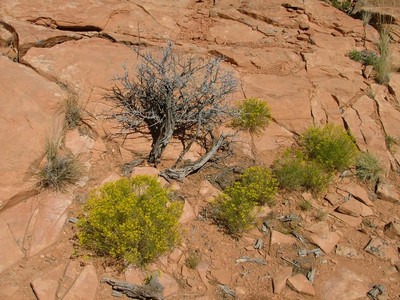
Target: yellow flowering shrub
[[261, 185], [254, 115], [331, 146], [234, 208], [132, 220]]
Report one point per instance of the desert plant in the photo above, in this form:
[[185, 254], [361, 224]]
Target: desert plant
[[260, 185], [368, 167], [391, 142], [345, 5], [294, 172], [175, 96], [383, 64], [305, 205], [331, 146], [193, 259], [233, 210], [253, 115], [60, 169], [132, 220], [366, 57], [235, 207], [73, 112]]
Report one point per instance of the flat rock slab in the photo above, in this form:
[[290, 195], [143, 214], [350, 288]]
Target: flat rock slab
[[358, 192], [10, 252], [280, 238], [355, 208], [388, 192], [27, 112], [349, 220], [323, 237], [47, 221], [45, 287], [279, 279], [85, 286], [392, 230], [381, 248], [169, 284], [301, 285], [343, 284], [187, 213]]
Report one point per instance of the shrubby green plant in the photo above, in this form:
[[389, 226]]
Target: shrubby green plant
[[368, 167], [366, 57], [132, 220], [60, 169], [253, 115], [193, 259], [235, 207], [233, 210], [261, 185], [344, 6], [331, 146], [294, 172]]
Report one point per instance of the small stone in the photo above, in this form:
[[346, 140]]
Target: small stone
[[187, 213], [304, 26], [355, 208], [367, 72], [358, 192], [169, 284], [280, 278], [326, 242], [386, 191], [280, 238], [392, 230], [382, 249], [176, 254], [300, 284], [303, 37]]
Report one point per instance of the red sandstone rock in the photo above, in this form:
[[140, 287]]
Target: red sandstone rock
[[301, 285], [280, 277]]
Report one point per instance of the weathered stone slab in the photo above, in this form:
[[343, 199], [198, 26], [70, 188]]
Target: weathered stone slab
[[10, 252], [85, 286], [47, 222], [45, 287], [27, 113]]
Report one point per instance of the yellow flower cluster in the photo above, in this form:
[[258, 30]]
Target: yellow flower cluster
[[132, 220]]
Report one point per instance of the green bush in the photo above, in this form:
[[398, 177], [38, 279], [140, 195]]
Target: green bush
[[254, 115], [261, 185], [132, 220], [295, 173], [234, 209], [368, 167], [60, 169], [366, 57], [331, 146]]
